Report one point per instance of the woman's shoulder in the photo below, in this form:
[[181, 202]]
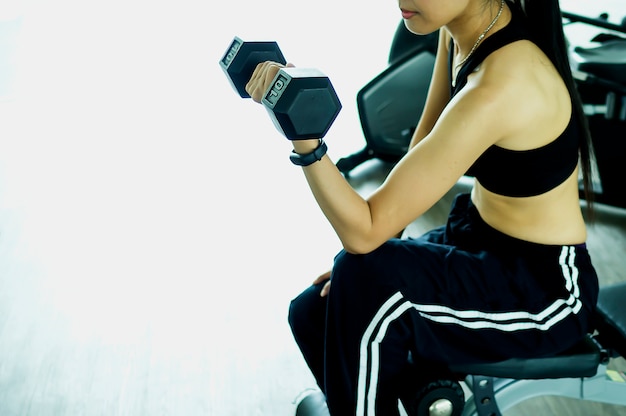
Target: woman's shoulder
[[520, 54], [527, 87], [506, 75], [522, 69]]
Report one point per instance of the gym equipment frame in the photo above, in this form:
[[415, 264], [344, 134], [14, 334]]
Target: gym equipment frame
[[579, 373]]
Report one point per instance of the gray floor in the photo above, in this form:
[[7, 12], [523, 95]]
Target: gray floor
[[147, 214]]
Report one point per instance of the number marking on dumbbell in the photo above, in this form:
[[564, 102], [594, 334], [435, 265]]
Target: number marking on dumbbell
[[274, 93], [232, 52]]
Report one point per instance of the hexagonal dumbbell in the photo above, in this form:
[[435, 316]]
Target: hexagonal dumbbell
[[302, 103], [242, 58]]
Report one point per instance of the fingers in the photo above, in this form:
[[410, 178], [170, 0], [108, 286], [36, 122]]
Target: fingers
[[324, 277], [321, 278], [325, 289], [262, 77]]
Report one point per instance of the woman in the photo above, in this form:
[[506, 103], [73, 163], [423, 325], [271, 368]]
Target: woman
[[509, 275]]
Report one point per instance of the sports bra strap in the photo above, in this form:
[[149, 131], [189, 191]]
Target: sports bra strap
[[513, 32]]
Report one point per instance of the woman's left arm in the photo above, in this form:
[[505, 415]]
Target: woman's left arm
[[467, 127], [346, 210]]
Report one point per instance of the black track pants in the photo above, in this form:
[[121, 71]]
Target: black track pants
[[463, 293]]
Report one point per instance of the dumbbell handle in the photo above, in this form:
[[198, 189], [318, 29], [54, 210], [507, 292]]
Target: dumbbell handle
[[262, 51]]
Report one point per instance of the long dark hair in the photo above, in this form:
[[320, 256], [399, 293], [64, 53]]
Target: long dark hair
[[545, 20]]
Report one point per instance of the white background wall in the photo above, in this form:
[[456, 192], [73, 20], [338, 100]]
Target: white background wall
[[123, 134]]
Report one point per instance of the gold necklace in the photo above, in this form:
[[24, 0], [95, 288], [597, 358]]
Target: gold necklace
[[482, 36]]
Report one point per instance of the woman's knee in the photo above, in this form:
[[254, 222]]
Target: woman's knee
[[307, 309], [350, 269]]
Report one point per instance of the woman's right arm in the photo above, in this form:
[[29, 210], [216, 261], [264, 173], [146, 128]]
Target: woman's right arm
[[438, 91]]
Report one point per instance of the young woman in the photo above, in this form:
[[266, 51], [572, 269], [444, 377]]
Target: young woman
[[509, 274]]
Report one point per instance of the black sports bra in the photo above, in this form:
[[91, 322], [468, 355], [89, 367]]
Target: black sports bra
[[519, 173]]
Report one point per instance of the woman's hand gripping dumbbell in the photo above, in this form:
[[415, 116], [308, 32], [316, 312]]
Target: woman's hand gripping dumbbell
[[301, 102]]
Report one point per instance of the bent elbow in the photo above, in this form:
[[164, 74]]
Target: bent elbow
[[360, 246], [364, 238]]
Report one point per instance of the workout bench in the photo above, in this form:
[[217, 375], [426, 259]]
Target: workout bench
[[580, 373]]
